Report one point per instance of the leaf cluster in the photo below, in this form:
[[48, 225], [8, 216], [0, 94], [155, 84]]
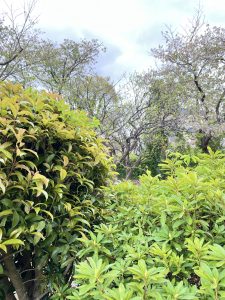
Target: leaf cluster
[[52, 166], [161, 238]]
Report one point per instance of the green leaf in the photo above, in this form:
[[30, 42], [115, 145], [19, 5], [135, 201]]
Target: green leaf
[[13, 242], [6, 212], [2, 186], [3, 247], [63, 174], [15, 219], [48, 213], [1, 269]]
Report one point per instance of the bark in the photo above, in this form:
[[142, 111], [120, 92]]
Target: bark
[[37, 284], [10, 297], [131, 169], [205, 142], [7, 288], [14, 276], [27, 271]]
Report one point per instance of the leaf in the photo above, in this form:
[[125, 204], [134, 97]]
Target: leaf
[[2, 186], [84, 221], [65, 160], [48, 213], [14, 108], [50, 158], [5, 145], [217, 253], [1, 269], [37, 236], [31, 151], [63, 174], [13, 242], [3, 247], [17, 232], [15, 219], [41, 226], [6, 153], [40, 191], [42, 178], [6, 212], [21, 166], [37, 210]]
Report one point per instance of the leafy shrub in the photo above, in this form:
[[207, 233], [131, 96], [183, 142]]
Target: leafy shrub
[[52, 166], [162, 239]]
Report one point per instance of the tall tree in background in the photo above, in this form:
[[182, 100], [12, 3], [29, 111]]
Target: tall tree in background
[[17, 34], [145, 107], [94, 94], [196, 57], [27, 58], [54, 66]]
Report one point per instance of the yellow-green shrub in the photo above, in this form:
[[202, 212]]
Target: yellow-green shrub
[[162, 238], [51, 168]]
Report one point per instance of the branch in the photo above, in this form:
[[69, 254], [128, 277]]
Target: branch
[[14, 276]]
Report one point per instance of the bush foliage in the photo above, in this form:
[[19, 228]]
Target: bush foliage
[[162, 238], [51, 168]]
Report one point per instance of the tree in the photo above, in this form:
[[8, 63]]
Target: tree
[[52, 166], [196, 58], [146, 107], [96, 95], [55, 66], [16, 36], [113, 107], [28, 58]]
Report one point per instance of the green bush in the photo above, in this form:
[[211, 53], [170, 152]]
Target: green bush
[[161, 239], [51, 168]]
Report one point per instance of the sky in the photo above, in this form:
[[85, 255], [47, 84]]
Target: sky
[[127, 28]]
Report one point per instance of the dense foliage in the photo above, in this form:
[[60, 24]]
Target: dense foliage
[[52, 166], [161, 239]]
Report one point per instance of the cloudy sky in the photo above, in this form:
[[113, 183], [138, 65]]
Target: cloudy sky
[[128, 28]]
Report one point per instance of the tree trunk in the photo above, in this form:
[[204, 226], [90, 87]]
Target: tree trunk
[[10, 297], [37, 284], [205, 142], [7, 288], [14, 276], [130, 170]]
